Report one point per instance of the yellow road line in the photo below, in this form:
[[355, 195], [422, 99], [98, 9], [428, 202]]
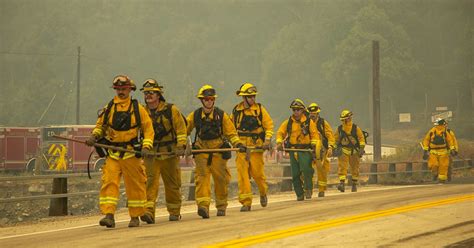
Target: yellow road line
[[337, 222]]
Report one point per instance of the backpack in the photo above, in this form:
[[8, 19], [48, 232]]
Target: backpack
[[160, 131], [304, 128], [217, 118], [353, 134], [322, 129]]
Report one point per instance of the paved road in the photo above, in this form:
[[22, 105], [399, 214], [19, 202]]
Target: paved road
[[425, 215]]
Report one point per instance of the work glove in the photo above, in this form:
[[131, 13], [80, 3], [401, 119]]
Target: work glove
[[426, 154], [266, 144], [329, 153], [241, 147], [180, 150], [453, 152], [146, 153], [279, 147], [361, 152], [91, 140]]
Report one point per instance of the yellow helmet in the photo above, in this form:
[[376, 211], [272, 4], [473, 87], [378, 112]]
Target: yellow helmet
[[206, 91], [314, 108], [247, 89], [151, 85], [297, 104], [123, 81], [345, 114]]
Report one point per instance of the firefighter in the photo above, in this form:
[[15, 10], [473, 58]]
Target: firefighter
[[350, 143], [300, 132], [214, 130], [327, 140], [438, 144], [255, 129], [120, 124], [170, 136]]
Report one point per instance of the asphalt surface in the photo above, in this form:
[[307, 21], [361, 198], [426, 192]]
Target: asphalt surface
[[309, 223]]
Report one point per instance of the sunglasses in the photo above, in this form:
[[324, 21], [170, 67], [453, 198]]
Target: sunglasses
[[297, 110], [208, 99], [148, 92]]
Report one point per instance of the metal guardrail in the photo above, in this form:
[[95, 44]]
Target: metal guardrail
[[59, 196]]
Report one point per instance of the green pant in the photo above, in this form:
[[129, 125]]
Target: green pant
[[301, 163]]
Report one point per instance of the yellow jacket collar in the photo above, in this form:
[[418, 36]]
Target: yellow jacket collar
[[120, 101], [302, 119], [211, 114], [241, 106], [349, 124]]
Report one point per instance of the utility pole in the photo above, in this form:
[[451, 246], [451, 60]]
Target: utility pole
[[78, 90], [376, 101]]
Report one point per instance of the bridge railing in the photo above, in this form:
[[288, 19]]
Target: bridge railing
[[59, 195]]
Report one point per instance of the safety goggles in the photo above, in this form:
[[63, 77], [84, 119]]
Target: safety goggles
[[121, 80], [209, 92], [251, 90], [313, 109]]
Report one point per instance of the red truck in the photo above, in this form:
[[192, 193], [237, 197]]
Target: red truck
[[75, 154], [18, 147]]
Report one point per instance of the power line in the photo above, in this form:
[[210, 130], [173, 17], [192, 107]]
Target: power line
[[39, 54]]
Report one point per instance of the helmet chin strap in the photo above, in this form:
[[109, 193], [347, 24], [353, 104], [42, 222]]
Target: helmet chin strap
[[204, 105], [246, 102]]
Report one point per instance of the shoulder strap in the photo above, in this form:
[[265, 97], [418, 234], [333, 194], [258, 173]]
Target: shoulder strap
[[220, 114], [107, 113], [136, 111], [289, 126], [197, 122], [354, 134], [321, 127], [260, 115], [235, 116], [340, 132]]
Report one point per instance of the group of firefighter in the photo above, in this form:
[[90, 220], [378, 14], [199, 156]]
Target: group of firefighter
[[156, 135]]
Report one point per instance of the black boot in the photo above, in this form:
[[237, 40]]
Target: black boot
[[341, 187], [354, 186], [321, 194], [174, 217], [148, 218], [134, 222], [263, 200], [220, 212], [203, 212], [308, 194], [108, 221], [245, 208]]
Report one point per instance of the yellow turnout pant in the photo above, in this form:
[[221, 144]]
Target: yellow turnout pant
[[134, 178], [439, 164], [343, 163], [322, 168], [246, 169], [171, 176], [202, 177]]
